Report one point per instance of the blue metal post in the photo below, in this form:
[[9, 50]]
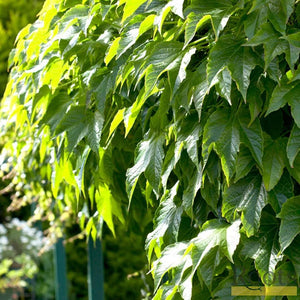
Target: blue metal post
[[61, 287], [95, 270]]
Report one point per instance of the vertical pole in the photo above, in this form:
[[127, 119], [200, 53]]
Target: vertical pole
[[95, 270], [61, 288]]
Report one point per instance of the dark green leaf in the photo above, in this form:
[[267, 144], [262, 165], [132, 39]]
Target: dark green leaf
[[166, 222], [189, 194], [290, 222], [75, 125], [231, 53], [95, 124], [273, 163], [219, 11], [293, 145], [149, 160], [247, 196], [244, 163], [270, 38], [283, 190], [252, 136], [264, 248]]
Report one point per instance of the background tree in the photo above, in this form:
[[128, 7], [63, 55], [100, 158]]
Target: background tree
[[189, 108]]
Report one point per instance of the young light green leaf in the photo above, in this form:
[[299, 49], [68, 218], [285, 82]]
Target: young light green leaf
[[131, 113], [130, 7], [113, 49], [107, 206], [146, 24], [193, 23], [118, 118]]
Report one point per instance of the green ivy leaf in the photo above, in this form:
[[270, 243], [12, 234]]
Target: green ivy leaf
[[95, 124], [293, 145], [230, 52], [211, 193], [295, 171], [293, 253], [219, 12], [252, 136], [278, 11], [244, 163], [166, 223], [56, 110], [273, 163], [270, 38], [108, 206], [286, 94], [149, 160], [213, 129], [283, 190], [130, 7], [264, 248], [278, 98], [290, 222], [74, 124], [247, 196], [164, 56], [181, 256], [193, 23], [189, 194], [221, 133], [255, 102]]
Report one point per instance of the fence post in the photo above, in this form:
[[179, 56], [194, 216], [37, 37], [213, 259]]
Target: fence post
[[61, 288], [95, 270]]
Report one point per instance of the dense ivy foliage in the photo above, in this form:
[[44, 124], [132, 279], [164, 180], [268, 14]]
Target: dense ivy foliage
[[188, 107]]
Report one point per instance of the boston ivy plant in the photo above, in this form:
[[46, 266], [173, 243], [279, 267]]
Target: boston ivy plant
[[187, 107]]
